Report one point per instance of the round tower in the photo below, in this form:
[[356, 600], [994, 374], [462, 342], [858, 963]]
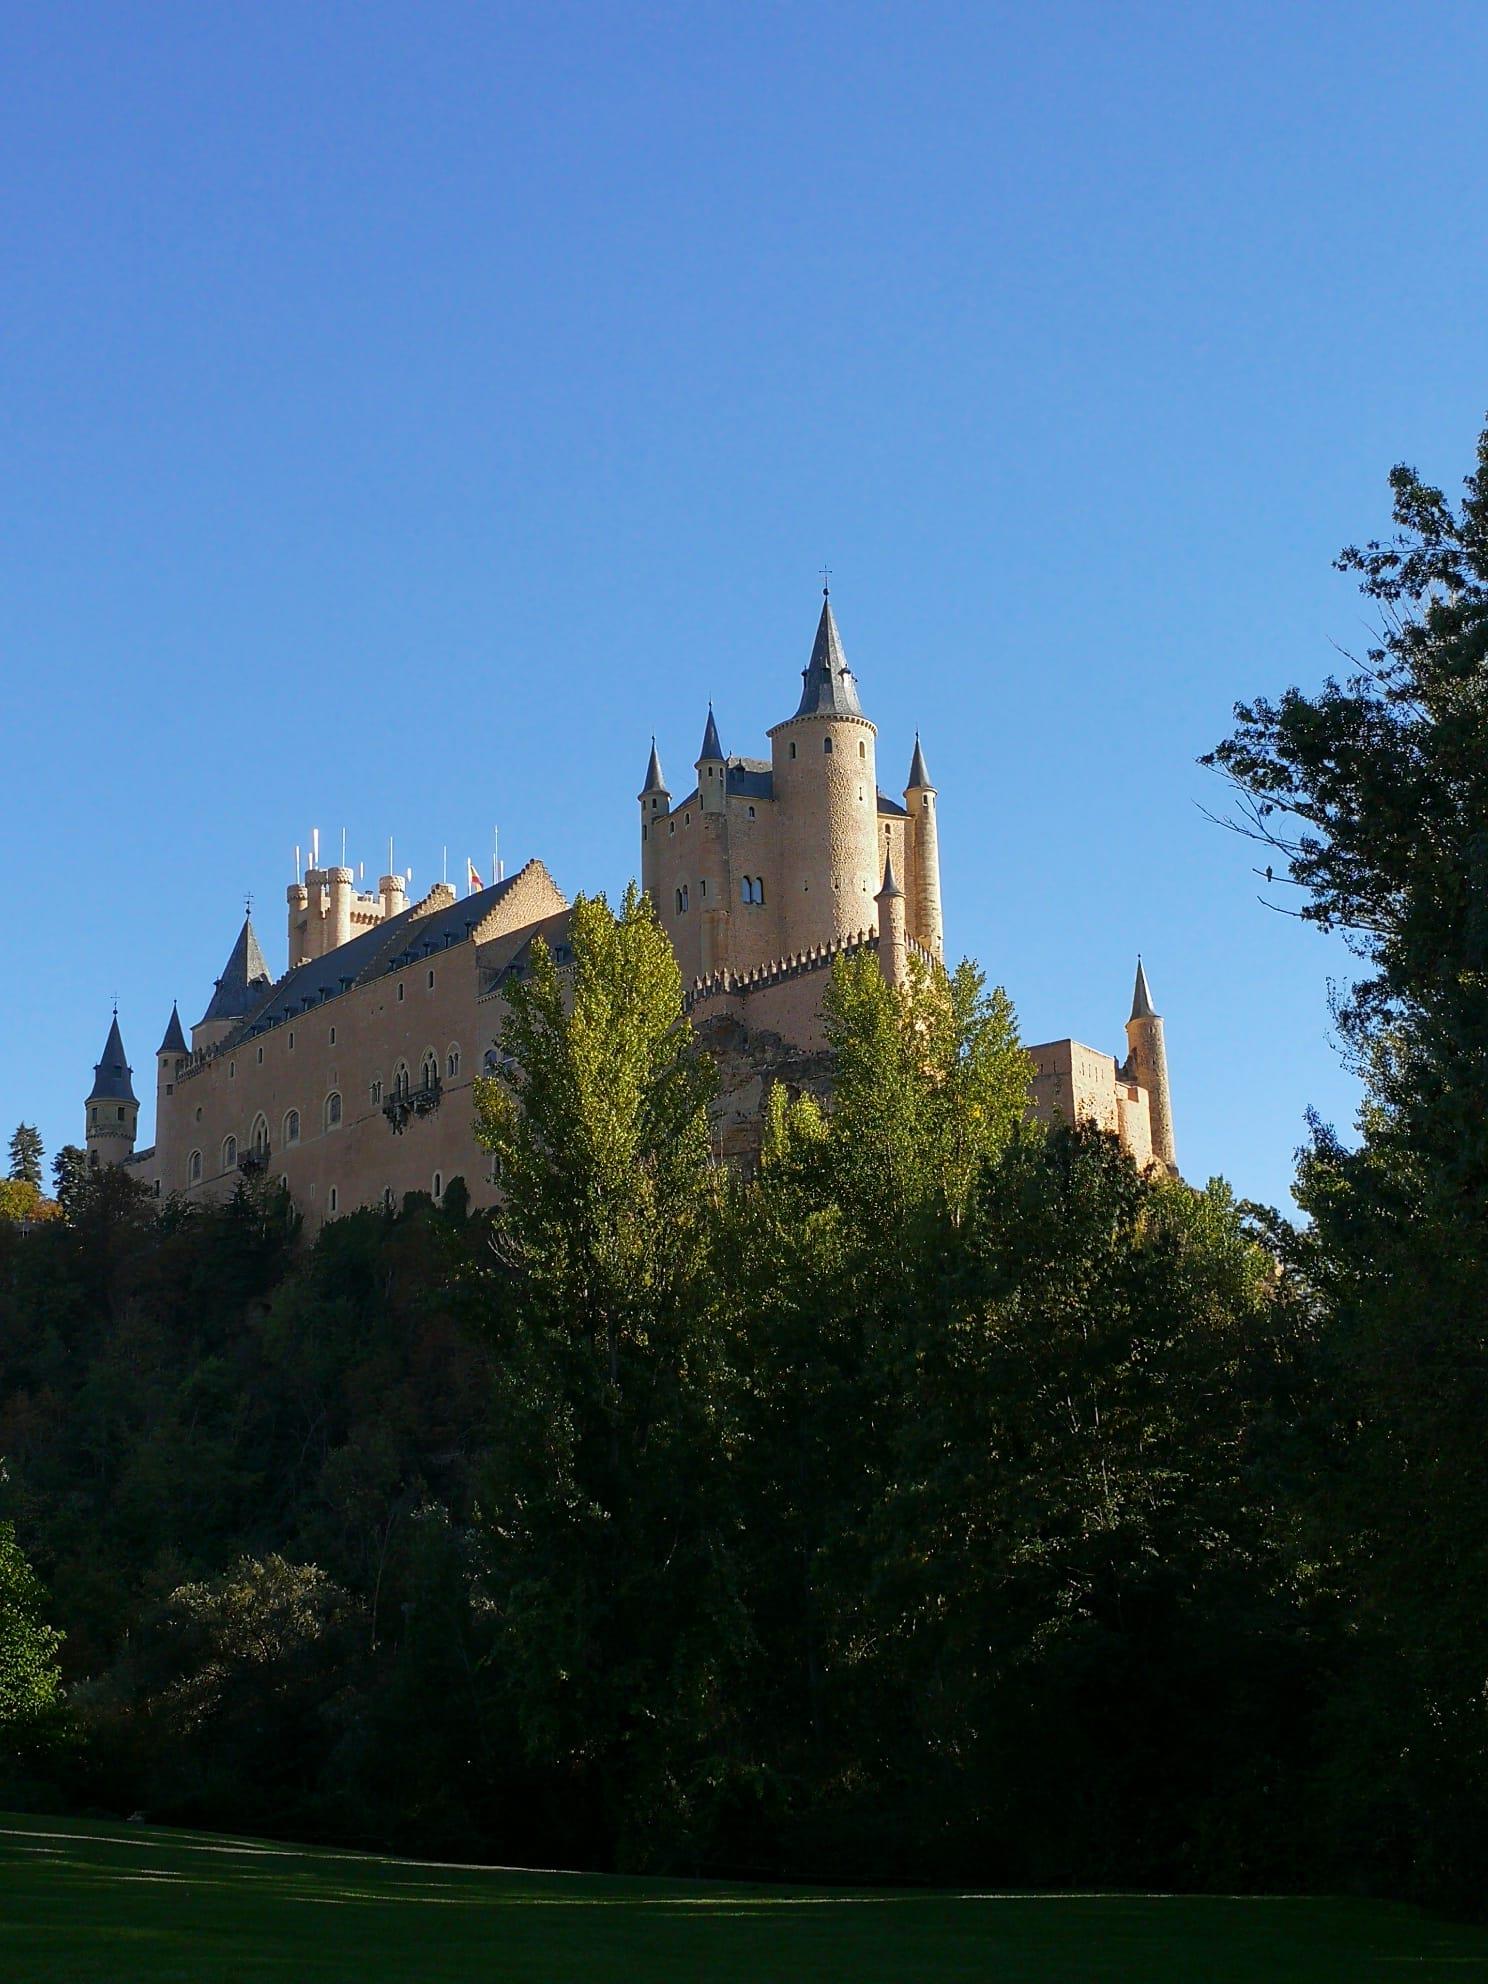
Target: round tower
[[893, 954], [394, 892], [1147, 1058], [825, 782], [712, 856], [298, 898], [924, 857], [112, 1109], [656, 804], [171, 1056], [340, 887]]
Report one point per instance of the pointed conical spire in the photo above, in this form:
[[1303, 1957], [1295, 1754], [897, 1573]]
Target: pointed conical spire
[[919, 778], [1142, 1007], [111, 1074], [890, 884], [828, 688], [712, 748], [654, 780], [175, 1039], [244, 980]]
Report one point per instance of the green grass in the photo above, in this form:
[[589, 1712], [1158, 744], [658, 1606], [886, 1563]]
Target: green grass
[[92, 1903]]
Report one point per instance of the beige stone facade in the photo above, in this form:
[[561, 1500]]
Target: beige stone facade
[[350, 1076]]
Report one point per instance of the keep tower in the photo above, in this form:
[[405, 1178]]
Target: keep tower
[[824, 767], [113, 1109]]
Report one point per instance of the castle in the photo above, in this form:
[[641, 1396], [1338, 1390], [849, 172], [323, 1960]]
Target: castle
[[348, 1077]]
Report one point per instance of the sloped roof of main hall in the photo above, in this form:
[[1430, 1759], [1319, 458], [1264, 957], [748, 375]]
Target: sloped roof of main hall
[[402, 940]]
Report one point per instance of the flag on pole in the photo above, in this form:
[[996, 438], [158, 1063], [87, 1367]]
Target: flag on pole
[[472, 879]]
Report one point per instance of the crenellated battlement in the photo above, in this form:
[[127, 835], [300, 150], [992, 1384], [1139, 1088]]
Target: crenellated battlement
[[727, 984]]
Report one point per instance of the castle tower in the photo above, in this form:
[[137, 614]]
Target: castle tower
[[919, 802], [656, 804], [298, 898], [1148, 1061], [825, 785], [394, 892], [113, 1111], [713, 854], [340, 887], [171, 1056], [244, 982], [893, 956]]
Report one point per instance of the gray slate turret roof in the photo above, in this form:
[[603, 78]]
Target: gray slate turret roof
[[245, 979], [175, 1039], [827, 685], [111, 1074], [654, 780], [1142, 1007], [890, 884], [919, 778], [711, 746]]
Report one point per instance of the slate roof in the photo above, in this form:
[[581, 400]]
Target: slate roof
[[712, 748], [111, 1074], [654, 780], [890, 885], [245, 979], [890, 808], [919, 778], [175, 1039], [1142, 1007], [393, 945], [750, 778], [827, 685]]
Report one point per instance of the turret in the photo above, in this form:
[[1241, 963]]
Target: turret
[[924, 857], [711, 770], [112, 1110], [171, 1057], [394, 892], [656, 804], [893, 953], [1147, 1060], [340, 886], [825, 784], [239, 991], [298, 898]]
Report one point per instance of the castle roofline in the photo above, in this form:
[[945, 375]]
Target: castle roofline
[[175, 1038], [712, 750], [919, 778], [654, 780]]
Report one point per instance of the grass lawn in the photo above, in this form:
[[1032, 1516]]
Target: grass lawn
[[93, 1901]]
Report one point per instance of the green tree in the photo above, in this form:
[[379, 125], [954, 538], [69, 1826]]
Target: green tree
[[26, 1154], [607, 1514], [1372, 795], [29, 1675], [69, 1177]]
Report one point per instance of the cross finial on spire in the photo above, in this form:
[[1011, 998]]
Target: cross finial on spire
[[826, 574], [248, 904]]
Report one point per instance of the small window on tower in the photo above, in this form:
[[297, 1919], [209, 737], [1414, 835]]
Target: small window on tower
[[827, 747], [331, 1200], [862, 750], [793, 750]]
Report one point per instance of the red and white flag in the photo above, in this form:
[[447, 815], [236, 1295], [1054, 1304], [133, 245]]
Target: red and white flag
[[472, 879]]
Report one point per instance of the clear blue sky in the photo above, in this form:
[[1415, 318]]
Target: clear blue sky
[[408, 408]]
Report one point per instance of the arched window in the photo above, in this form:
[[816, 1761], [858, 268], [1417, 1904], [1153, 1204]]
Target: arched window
[[438, 1186], [746, 889], [193, 1168], [400, 1079], [331, 1200], [684, 897], [430, 1071], [291, 1126], [260, 1138], [827, 746], [793, 750], [229, 1153], [332, 1109], [452, 1060], [862, 750], [677, 894], [376, 1092], [759, 888]]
